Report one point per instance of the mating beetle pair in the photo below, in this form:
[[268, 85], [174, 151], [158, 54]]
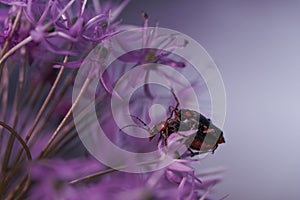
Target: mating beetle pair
[[207, 137]]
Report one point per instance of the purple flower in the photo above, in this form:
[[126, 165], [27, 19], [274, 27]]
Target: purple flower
[[14, 2], [55, 25], [154, 50], [41, 155], [51, 178]]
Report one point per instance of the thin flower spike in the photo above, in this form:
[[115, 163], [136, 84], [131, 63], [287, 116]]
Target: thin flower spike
[[101, 26], [183, 170], [160, 53], [203, 197], [14, 2], [59, 28], [116, 11], [138, 186]]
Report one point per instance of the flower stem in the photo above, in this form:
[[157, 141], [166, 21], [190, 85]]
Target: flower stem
[[60, 126], [56, 100], [95, 175], [7, 42], [64, 140], [14, 122], [18, 192], [5, 162], [19, 91], [45, 104], [18, 137], [14, 27], [30, 101], [98, 174], [3, 107], [14, 49]]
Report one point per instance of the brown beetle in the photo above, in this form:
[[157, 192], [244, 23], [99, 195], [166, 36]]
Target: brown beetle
[[207, 137]]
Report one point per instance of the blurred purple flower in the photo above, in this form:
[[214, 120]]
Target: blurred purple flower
[[35, 105], [154, 50], [55, 25], [13, 2], [51, 178]]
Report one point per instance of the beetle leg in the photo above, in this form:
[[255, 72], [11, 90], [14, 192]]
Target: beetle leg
[[164, 137], [215, 147], [171, 110], [176, 99], [193, 153], [166, 141]]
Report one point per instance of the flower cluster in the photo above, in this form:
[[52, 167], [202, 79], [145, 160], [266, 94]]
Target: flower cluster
[[42, 44]]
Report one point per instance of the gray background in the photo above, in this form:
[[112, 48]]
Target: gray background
[[256, 45]]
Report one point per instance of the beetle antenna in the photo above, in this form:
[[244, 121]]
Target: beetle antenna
[[140, 121], [174, 109], [176, 99]]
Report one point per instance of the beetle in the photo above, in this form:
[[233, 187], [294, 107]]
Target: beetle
[[207, 137]]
